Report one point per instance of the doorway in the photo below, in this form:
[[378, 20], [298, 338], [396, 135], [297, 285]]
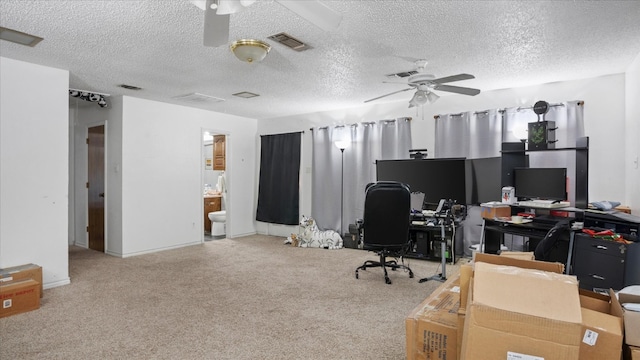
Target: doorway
[[215, 179], [95, 187]]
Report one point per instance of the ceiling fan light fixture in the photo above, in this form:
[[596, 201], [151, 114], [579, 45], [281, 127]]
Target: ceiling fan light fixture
[[432, 97], [226, 7], [250, 50]]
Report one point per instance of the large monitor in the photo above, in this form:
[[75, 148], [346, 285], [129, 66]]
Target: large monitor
[[541, 183], [484, 180], [436, 178]]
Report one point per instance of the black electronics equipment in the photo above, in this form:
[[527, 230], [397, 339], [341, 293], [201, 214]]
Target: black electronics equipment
[[541, 183], [484, 180], [436, 178]]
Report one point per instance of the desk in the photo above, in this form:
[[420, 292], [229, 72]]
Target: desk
[[426, 240], [530, 230]]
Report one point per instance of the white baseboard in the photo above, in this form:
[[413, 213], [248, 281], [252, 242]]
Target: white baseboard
[[54, 284], [160, 249]]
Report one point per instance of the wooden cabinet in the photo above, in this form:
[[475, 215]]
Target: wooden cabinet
[[211, 204], [219, 152]]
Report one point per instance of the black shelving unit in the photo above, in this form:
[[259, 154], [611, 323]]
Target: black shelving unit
[[514, 155]]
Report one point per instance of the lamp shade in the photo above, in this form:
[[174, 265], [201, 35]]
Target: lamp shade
[[342, 144], [250, 50]]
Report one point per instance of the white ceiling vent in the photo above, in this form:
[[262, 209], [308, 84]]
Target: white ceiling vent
[[289, 41], [403, 74], [197, 98]]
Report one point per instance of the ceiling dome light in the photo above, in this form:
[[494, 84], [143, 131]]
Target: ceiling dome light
[[250, 50]]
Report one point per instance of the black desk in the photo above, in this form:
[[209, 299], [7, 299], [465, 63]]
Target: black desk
[[531, 230], [426, 240]]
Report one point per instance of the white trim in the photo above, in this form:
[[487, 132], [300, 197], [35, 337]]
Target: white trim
[[55, 284], [160, 249]]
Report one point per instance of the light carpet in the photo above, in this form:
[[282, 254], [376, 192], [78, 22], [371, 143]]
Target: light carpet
[[245, 298]]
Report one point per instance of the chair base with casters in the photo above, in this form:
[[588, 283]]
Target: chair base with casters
[[384, 263]]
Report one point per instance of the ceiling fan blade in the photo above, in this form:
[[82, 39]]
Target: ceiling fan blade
[[452, 78], [315, 12], [457, 89], [395, 92], [216, 27]]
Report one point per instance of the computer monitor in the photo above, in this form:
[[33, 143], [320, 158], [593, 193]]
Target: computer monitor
[[541, 183], [436, 178]]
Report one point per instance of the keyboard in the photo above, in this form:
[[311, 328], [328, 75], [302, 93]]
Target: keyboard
[[544, 204]]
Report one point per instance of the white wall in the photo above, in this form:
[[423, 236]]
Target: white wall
[[632, 132], [604, 111], [162, 174], [34, 168]]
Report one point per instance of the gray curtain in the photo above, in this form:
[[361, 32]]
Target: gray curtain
[[369, 141], [471, 135]]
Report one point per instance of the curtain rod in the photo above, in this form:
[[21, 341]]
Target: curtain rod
[[408, 118]]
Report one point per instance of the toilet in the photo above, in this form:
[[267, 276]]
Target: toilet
[[218, 219]]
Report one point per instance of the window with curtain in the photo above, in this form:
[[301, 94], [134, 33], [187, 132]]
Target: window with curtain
[[368, 142], [278, 189]]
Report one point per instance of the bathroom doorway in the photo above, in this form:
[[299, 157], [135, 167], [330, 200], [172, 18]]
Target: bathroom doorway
[[215, 180]]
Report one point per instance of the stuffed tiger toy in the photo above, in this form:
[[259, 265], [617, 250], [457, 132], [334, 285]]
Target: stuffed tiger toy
[[311, 236]]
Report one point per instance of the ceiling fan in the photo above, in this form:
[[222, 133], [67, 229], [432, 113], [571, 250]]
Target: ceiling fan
[[424, 83], [217, 14]]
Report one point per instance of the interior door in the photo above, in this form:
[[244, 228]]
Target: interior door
[[95, 186]]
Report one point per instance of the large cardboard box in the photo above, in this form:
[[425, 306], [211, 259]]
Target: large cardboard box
[[631, 320], [514, 313], [466, 271], [432, 327], [19, 296], [22, 272], [602, 328]]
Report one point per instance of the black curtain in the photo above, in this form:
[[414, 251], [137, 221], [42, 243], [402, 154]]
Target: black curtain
[[278, 192]]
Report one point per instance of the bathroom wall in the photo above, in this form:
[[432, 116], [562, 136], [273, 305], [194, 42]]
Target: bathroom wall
[[162, 174]]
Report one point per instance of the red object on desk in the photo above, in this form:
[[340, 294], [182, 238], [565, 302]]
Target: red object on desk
[[526, 215]]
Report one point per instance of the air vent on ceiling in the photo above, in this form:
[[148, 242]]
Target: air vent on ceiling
[[197, 98], [245, 94], [129, 87], [403, 74], [289, 41]]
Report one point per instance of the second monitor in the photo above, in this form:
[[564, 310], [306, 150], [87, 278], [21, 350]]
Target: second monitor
[[436, 178]]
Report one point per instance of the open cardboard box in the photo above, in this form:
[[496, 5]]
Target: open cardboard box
[[631, 320], [602, 327], [517, 312]]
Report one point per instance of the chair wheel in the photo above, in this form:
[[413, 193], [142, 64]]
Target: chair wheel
[[393, 269], [411, 275], [356, 275], [387, 280]]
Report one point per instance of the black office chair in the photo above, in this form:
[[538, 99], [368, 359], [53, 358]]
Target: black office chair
[[544, 248], [387, 210]]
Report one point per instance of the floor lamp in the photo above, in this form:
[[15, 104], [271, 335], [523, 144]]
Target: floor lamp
[[342, 144]]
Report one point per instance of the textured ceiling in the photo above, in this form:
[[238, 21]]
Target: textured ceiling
[[157, 45]]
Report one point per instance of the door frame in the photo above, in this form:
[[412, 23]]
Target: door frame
[[85, 204], [227, 171]]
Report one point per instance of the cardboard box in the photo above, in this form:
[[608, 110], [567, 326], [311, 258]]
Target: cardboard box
[[602, 328], [22, 272], [631, 353], [519, 255], [515, 313], [432, 327], [631, 320], [461, 317], [495, 211], [19, 296], [466, 271]]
